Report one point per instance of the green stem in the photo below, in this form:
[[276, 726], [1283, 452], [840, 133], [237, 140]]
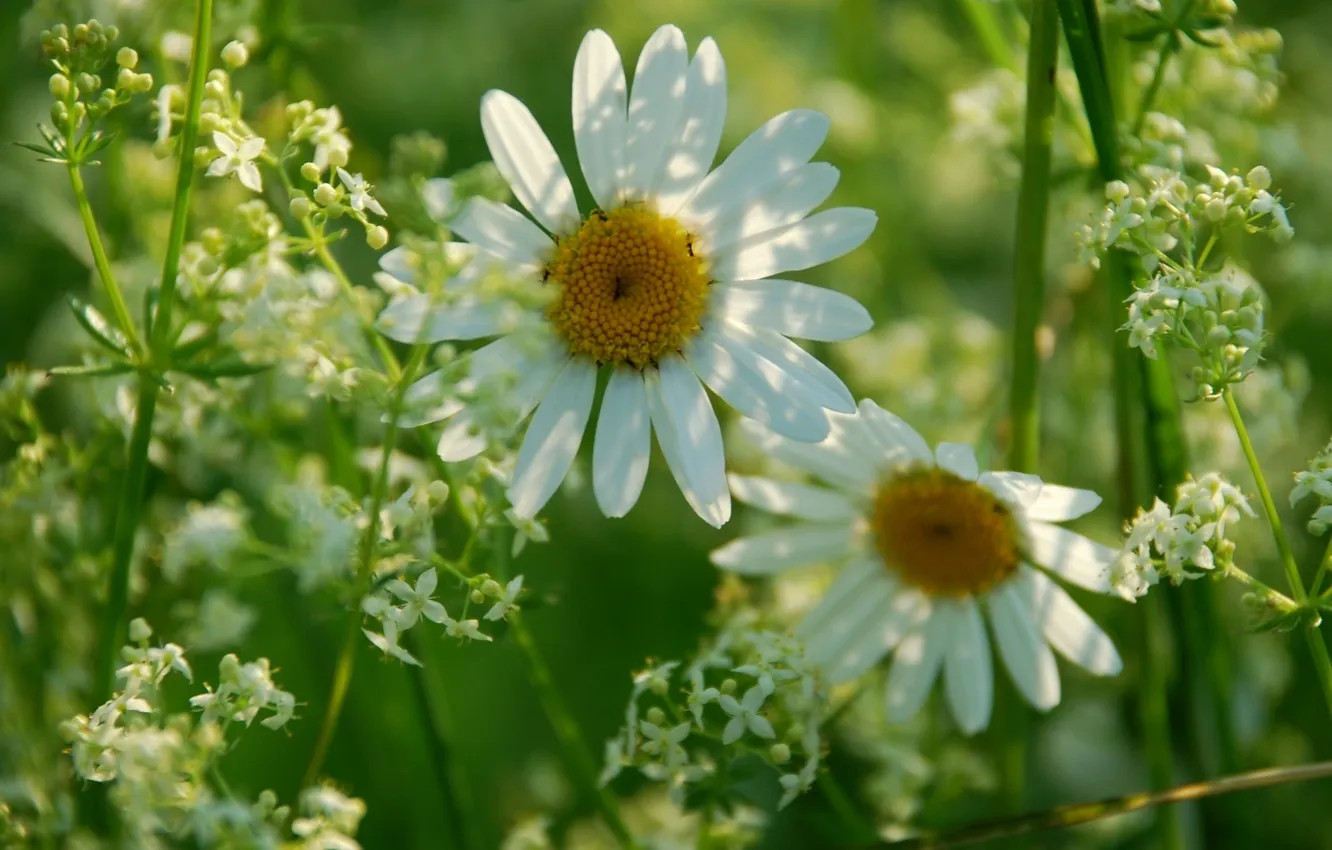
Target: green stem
[[455, 792], [160, 333], [346, 663], [1029, 254], [1322, 664], [100, 260], [130, 506], [1315, 589], [991, 34], [575, 749], [335, 268], [1154, 87], [1078, 813], [1154, 712]]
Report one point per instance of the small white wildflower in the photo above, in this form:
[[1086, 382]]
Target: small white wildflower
[[417, 601], [358, 193], [501, 609], [745, 715], [387, 643], [238, 158]]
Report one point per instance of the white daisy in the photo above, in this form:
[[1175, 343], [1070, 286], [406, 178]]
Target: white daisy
[[665, 282], [927, 544]]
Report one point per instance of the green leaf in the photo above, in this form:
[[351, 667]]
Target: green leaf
[[39, 149], [91, 370], [227, 366], [100, 328], [188, 349]]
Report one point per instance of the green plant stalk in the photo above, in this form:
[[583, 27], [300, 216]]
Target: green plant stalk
[[346, 663], [130, 506], [566, 729], [1154, 87], [1079, 813], [100, 260], [160, 336], [1324, 565], [1322, 664], [455, 791], [1028, 307], [1164, 438], [991, 34]]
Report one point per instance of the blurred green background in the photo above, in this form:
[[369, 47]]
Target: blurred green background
[[606, 595]]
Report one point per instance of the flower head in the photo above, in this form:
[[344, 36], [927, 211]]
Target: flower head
[[238, 158], [929, 545], [663, 283]]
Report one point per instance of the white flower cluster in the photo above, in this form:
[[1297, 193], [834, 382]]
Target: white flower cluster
[[158, 763], [1183, 541], [764, 700], [1316, 480], [329, 819], [414, 602], [244, 690], [1219, 317], [337, 192]]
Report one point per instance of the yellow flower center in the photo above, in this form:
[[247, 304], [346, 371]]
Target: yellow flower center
[[631, 287], [943, 534]]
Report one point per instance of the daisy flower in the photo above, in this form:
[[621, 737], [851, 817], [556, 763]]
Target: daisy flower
[[665, 284], [929, 545]]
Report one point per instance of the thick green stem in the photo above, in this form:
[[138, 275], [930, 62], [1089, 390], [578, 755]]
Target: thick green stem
[[1029, 253], [160, 333], [1066, 816], [566, 729], [100, 260], [130, 506], [1318, 649], [365, 573]]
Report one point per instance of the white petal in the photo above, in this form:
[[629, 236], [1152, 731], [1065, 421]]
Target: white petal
[[525, 157], [1025, 652], [1071, 556], [858, 615], [250, 148], [220, 167], [690, 438], [1068, 628], [599, 116], [1057, 503], [248, 174], [694, 145], [892, 621], [504, 232], [968, 674], [915, 667], [542, 365], [660, 79], [821, 383], [552, 439], [779, 147], [623, 443], [757, 387], [784, 548], [461, 440], [809, 242], [897, 442], [417, 321], [843, 459], [438, 194], [852, 581], [784, 202], [1019, 488], [424, 402], [791, 499], [395, 262], [959, 459], [225, 144], [791, 308]]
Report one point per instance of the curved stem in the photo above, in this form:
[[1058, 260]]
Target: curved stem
[[1078, 813], [1322, 664], [991, 34], [346, 663], [130, 505], [1154, 87], [100, 260], [575, 748]]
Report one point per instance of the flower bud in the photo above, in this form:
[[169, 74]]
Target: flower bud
[[310, 172], [1219, 335], [658, 686], [88, 83], [215, 89], [324, 194], [728, 686], [377, 237], [1259, 177], [438, 491], [143, 83], [1116, 190], [300, 207], [139, 630], [127, 57], [78, 113], [477, 597], [235, 54], [59, 114], [1215, 209], [780, 753], [490, 587], [59, 86], [125, 79], [337, 157], [656, 716]]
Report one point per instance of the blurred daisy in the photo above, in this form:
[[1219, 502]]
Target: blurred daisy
[[664, 283], [928, 543]]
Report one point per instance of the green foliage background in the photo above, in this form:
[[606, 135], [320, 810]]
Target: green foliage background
[[606, 595]]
